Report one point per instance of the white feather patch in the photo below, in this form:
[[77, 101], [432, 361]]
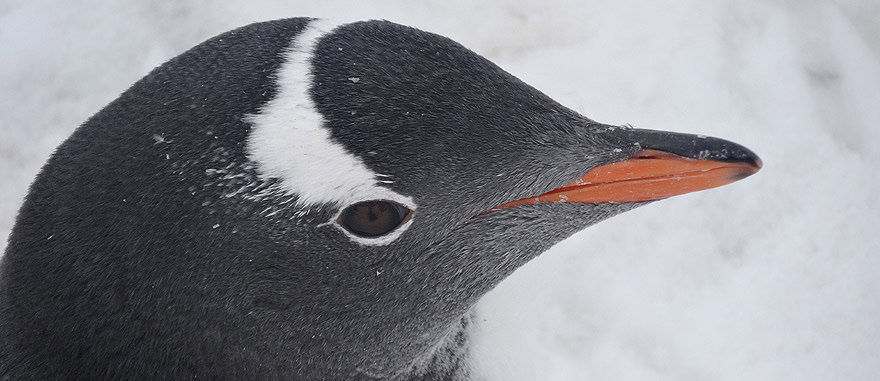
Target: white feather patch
[[290, 142]]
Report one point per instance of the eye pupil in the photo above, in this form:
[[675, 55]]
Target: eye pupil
[[373, 218]]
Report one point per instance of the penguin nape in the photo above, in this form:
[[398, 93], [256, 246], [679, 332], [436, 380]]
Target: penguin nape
[[298, 199]]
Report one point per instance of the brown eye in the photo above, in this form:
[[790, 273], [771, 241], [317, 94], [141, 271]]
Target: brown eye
[[373, 218]]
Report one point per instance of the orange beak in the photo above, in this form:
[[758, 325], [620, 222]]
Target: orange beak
[[649, 175]]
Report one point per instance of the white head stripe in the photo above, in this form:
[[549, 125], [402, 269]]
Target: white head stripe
[[289, 140]]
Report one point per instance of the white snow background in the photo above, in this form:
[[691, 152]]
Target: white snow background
[[773, 278]]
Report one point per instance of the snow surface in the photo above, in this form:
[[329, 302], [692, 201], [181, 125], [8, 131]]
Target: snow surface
[[773, 277]]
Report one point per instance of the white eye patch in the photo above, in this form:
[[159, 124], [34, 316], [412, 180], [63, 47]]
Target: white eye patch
[[290, 142]]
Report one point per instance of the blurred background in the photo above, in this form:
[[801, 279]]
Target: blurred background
[[773, 277]]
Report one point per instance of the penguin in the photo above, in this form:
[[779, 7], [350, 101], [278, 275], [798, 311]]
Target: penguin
[[305, 199]]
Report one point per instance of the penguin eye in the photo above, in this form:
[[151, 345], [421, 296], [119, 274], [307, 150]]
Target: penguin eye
[[373, 218]]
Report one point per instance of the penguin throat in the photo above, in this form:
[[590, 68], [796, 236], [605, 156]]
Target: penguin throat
[[448, 358]]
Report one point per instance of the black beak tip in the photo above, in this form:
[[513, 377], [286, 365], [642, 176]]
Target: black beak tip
[[756, 162], [727, 151]]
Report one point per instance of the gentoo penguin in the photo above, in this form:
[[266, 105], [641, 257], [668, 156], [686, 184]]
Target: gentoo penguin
[[300, 199]]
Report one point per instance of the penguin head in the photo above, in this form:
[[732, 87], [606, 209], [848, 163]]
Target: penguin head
[[306, 198]]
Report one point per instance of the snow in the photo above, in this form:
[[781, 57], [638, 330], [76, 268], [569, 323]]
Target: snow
[[773, 277]]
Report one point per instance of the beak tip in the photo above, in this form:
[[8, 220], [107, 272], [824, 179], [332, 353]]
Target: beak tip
[[742, 173], [749, 165], [752, 160], [757, 163]]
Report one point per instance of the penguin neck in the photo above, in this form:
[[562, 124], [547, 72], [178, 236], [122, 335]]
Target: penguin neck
[[448, 358]]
